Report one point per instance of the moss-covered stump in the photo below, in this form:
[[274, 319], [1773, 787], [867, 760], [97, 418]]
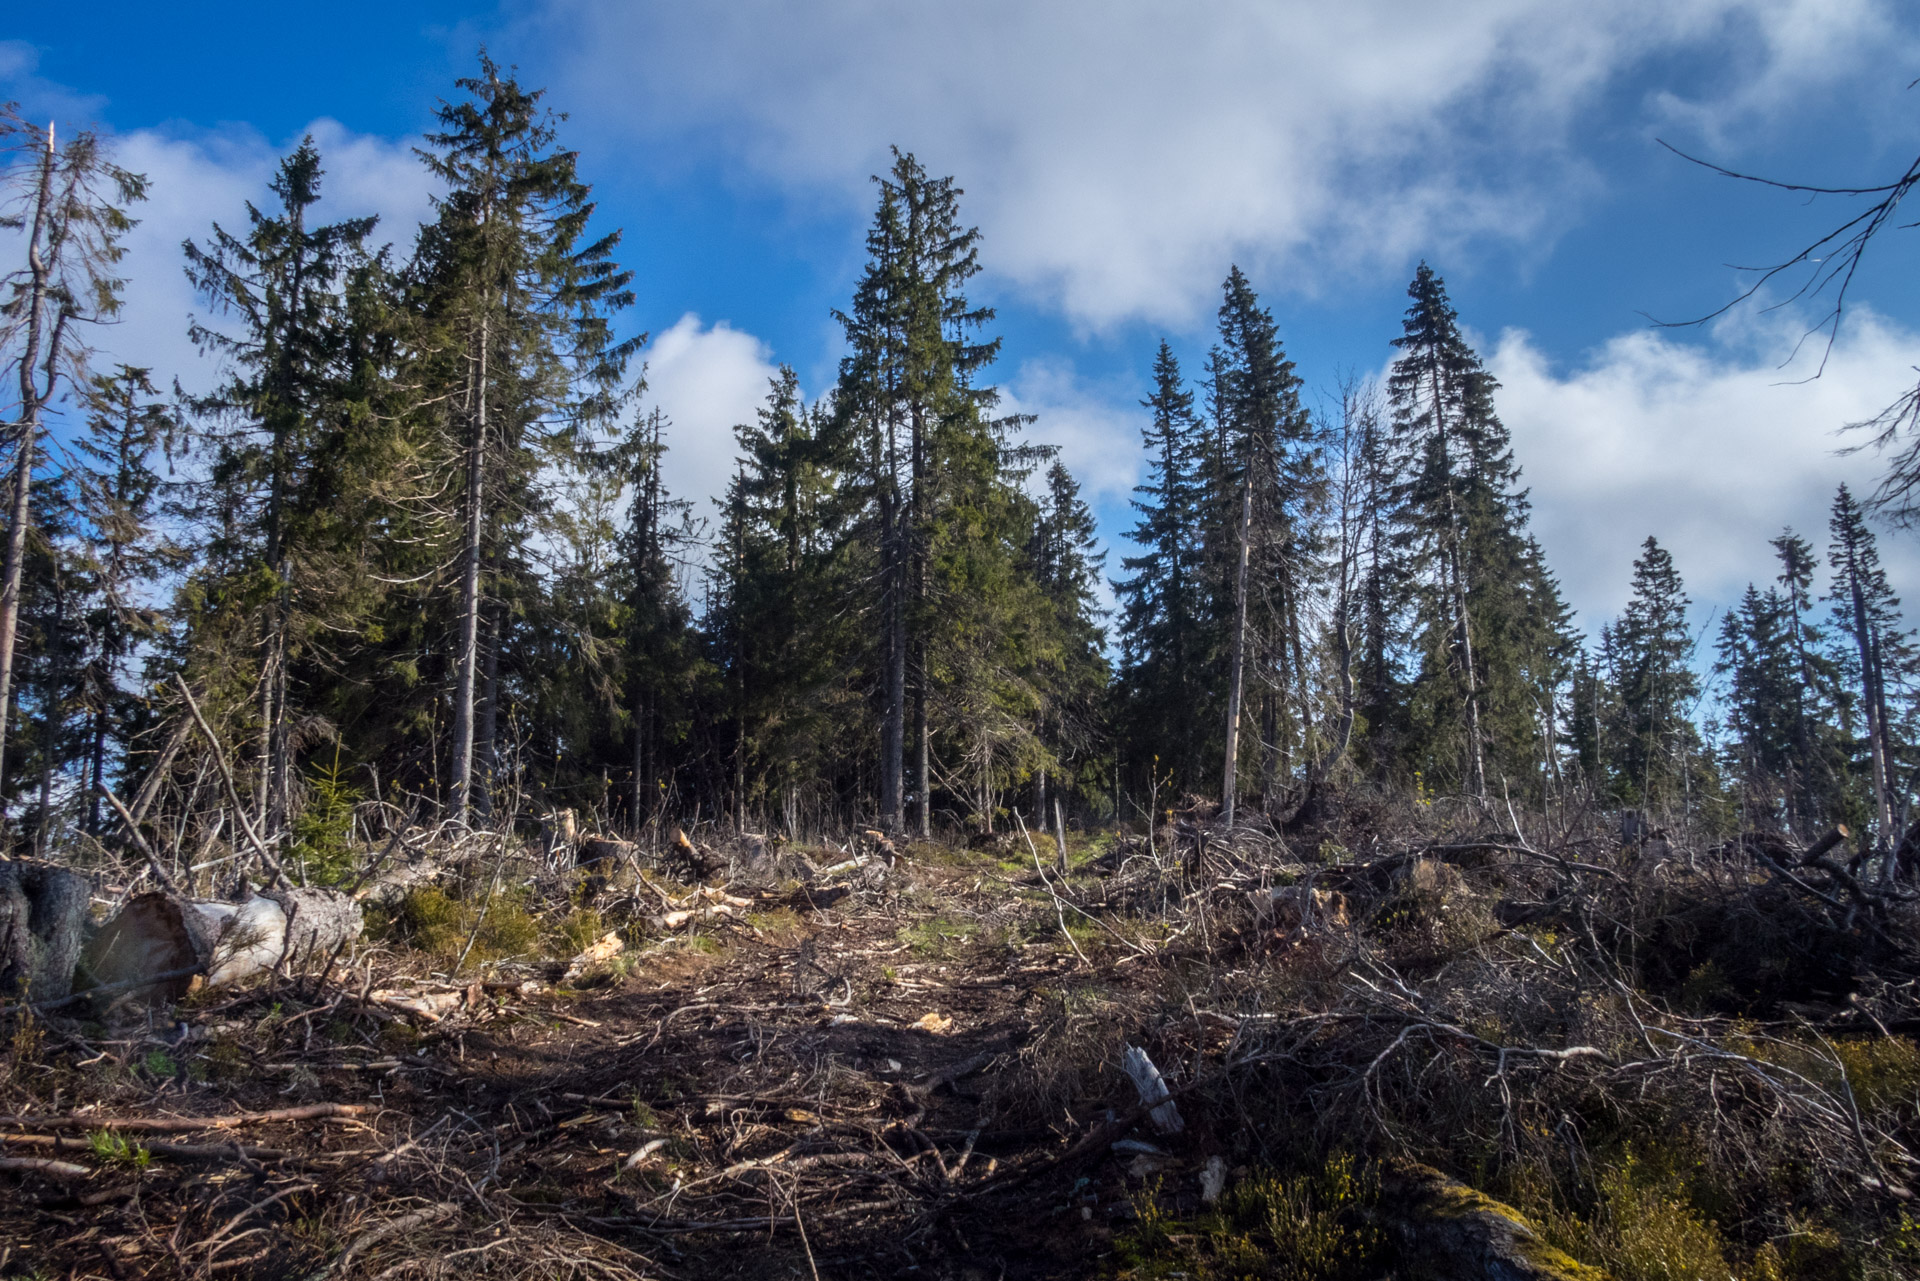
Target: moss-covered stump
[[1446, 1231]]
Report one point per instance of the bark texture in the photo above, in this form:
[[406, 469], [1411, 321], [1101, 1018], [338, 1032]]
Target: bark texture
[[43, 918], [1449, 1232], [185, 939]]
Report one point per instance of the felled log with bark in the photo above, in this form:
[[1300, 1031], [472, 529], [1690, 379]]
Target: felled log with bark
[[43, 916], [171, 941], [1449, 1232]]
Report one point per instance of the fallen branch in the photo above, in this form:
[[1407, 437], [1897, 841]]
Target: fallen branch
[[42, 1165], [160, 1125], [200, 1151], [233, 793], [1058, 910], [160, 873]]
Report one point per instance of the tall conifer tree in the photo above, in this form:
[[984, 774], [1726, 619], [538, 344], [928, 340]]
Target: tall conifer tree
[[517, 302], [1162, 633], [1655, 748], [282, 284], [1488, 617], [69, 202]]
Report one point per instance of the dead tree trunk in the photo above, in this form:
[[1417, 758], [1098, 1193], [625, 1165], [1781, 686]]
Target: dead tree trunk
[[43, 913], [1230, 772], [172, 940]]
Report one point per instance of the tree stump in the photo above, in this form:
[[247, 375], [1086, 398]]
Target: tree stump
[[43, 918]]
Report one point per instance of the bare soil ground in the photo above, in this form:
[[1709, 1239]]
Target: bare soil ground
[[818, 1093]]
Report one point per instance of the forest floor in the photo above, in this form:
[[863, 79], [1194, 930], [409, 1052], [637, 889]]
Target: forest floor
[[813, 1090], [1661, 1060]]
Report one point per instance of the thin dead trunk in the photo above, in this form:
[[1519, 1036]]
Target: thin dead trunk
[[893, 722], [1060, 836], [1455, 569], [1876, 743], [96, 768], [487, 746], [637, 816], [32, 398], [923, 769], [1237, 678], [461, 784], [1477, 762]]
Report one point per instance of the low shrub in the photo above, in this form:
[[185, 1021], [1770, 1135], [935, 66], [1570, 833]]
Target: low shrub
[[1313, 1227]]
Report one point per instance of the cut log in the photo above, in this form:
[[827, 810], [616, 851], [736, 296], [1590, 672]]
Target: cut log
[[1820, 847], [43, 917], [218, 943], [1449, 1232]]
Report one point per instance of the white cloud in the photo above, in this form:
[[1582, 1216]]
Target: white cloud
[[708, 379], [41, 99], [1119, 152], [1710, 446], [198, 178], [198, 181], [1098, 439]]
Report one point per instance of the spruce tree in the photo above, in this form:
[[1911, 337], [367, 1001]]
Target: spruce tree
[[907, 402], [1812, 771], [659, 647], [126, 554], [1163, 640], [282, 285], [55, 589], [1654, 748], [1265, 485], [1756, 658], [778, 615], [1068, 653], [1875, 647], [517, 340], [1488, 618]]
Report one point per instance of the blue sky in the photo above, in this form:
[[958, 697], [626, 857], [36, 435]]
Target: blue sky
[[1118, 158]]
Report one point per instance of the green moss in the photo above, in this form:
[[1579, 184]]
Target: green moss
[[432, 921], [227, 1059], [938, 936], [782, 926], [1457, 1201]]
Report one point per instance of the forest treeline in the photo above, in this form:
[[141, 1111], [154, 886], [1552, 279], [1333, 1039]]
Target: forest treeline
[[413, 546]]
